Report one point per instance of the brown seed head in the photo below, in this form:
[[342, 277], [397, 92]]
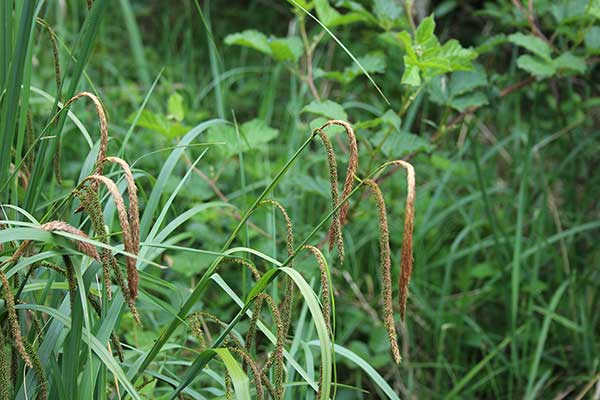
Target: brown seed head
[[407, 237], [386, 268]]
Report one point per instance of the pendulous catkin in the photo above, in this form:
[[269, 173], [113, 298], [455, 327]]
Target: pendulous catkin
[[352, 163], [71, 279], [335, 231], [386, 268], [276, 358], [132, 274], [255, 370], [62, 226], [103, 129], [38, 369], [407, 237], [324, 283], [91, 205], [288, 296], [13, 320], [5, 384]]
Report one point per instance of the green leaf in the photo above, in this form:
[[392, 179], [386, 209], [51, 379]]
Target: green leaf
[[387, 12], [465, 81], [592, 40], [400, 144], [253, 135], [160, 124], [286, 49], [175, 107], [424, 36], [569, 61], [532, 43], [250, 38], [328, 109], [325, 12], [535, 66], [475, 99], [239, 379], [411, 74], [458, 57], [372, 63]]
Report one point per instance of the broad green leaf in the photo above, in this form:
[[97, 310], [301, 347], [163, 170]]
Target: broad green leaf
[[474, 99], [424, 35], [536, 66], [411, 74], [372, 63], [592, 40], [175, 107], [239, 379], [491, 43], [325, 12], [160, 124], [465, 81], [250, 38], [286, 49], [568, 61], [387, 12], [400, 144], [458, 57], [328, 109], [253, 135], [532, 43]]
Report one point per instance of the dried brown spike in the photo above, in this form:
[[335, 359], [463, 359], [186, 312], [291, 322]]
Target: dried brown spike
[[134, 216], [62, 226], [103, 130], [335, 231], [407, 237], [324, 283], [13, 320], [132, 273], [386, 268], [352, 163]]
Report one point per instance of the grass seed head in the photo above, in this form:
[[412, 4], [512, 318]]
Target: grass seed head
[[352, 164], [132, 273], [61, 226], [386, 268], [13, 320], [407, 237], [324, 283], [335, 231], [255, 370]]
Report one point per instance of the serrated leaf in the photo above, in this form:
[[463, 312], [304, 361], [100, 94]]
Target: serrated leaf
[[372, 63], [459, 57], [327, 109], [532, 43], [569, 61], [536, 66], [250, 38], [424, 35], [475, 99], [253, 135], [160, 124], [325, 12], [175, 107], [465, 81], [387, 12], [400, 144], [411, 74], [592, 40], [286, 49]]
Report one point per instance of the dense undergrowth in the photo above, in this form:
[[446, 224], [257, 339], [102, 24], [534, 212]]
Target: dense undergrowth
[[299, 200]]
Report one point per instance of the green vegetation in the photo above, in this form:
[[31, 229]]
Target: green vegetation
[[372, 199]]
